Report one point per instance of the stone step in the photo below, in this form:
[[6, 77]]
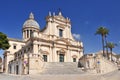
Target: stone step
[[61, 68]]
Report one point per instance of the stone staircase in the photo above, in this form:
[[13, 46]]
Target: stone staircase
[[61, 68], [107, 66]]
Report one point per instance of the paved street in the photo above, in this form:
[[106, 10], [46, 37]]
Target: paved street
[[110, 76]]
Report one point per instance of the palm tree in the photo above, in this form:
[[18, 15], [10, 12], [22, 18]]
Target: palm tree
[[106, 47], [103, 32], [111, 45]]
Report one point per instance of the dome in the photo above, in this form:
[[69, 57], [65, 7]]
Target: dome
[[31, 22]]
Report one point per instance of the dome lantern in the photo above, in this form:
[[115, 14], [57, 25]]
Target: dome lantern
[[31, 16]]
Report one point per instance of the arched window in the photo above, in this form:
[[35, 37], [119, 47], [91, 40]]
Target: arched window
[[31, 33]]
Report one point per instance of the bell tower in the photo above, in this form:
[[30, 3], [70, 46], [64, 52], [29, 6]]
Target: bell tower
[[58, 26]]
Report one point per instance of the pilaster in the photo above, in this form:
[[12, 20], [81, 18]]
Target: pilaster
[[35, 47]]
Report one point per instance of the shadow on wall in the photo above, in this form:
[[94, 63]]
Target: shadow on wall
[[80, 65]]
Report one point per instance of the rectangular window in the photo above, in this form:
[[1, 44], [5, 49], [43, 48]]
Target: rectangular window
[[74, 59], [14, 46], [61, 57], [60, 33], [45, 58]]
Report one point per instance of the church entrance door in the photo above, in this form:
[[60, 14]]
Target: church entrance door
[[61, 57]]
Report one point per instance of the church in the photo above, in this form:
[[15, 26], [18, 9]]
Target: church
[[53, 43]]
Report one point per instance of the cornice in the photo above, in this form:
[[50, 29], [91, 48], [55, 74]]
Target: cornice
[[17, 40], [51, 42]]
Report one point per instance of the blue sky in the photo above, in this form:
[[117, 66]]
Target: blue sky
[[85, 15]]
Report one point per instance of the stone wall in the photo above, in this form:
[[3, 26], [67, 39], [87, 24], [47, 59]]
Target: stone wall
[[106, 65], [98, 64]]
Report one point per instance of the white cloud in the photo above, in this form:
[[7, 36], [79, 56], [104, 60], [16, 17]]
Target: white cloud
[[76, 36]]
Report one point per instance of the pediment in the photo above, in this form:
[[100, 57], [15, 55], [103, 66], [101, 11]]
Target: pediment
[[63, 51], [60, 18], [74, 56], [61, 26], [45, 52]]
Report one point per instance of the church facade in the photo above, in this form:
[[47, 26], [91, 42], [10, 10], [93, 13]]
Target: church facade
[[54, 43]]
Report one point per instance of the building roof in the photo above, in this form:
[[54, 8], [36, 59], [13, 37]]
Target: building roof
[[17, 40]]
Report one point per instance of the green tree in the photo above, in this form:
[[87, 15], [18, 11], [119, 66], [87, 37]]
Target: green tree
[[103, 32], [111, 45], [4, 44], [106, 47]]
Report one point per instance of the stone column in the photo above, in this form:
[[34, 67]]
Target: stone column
[[50, 30], [57, 56], [23, 34], [65, 57], [68, 55], [50, 55], [29, 33], [54, 57], [26, 34]]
